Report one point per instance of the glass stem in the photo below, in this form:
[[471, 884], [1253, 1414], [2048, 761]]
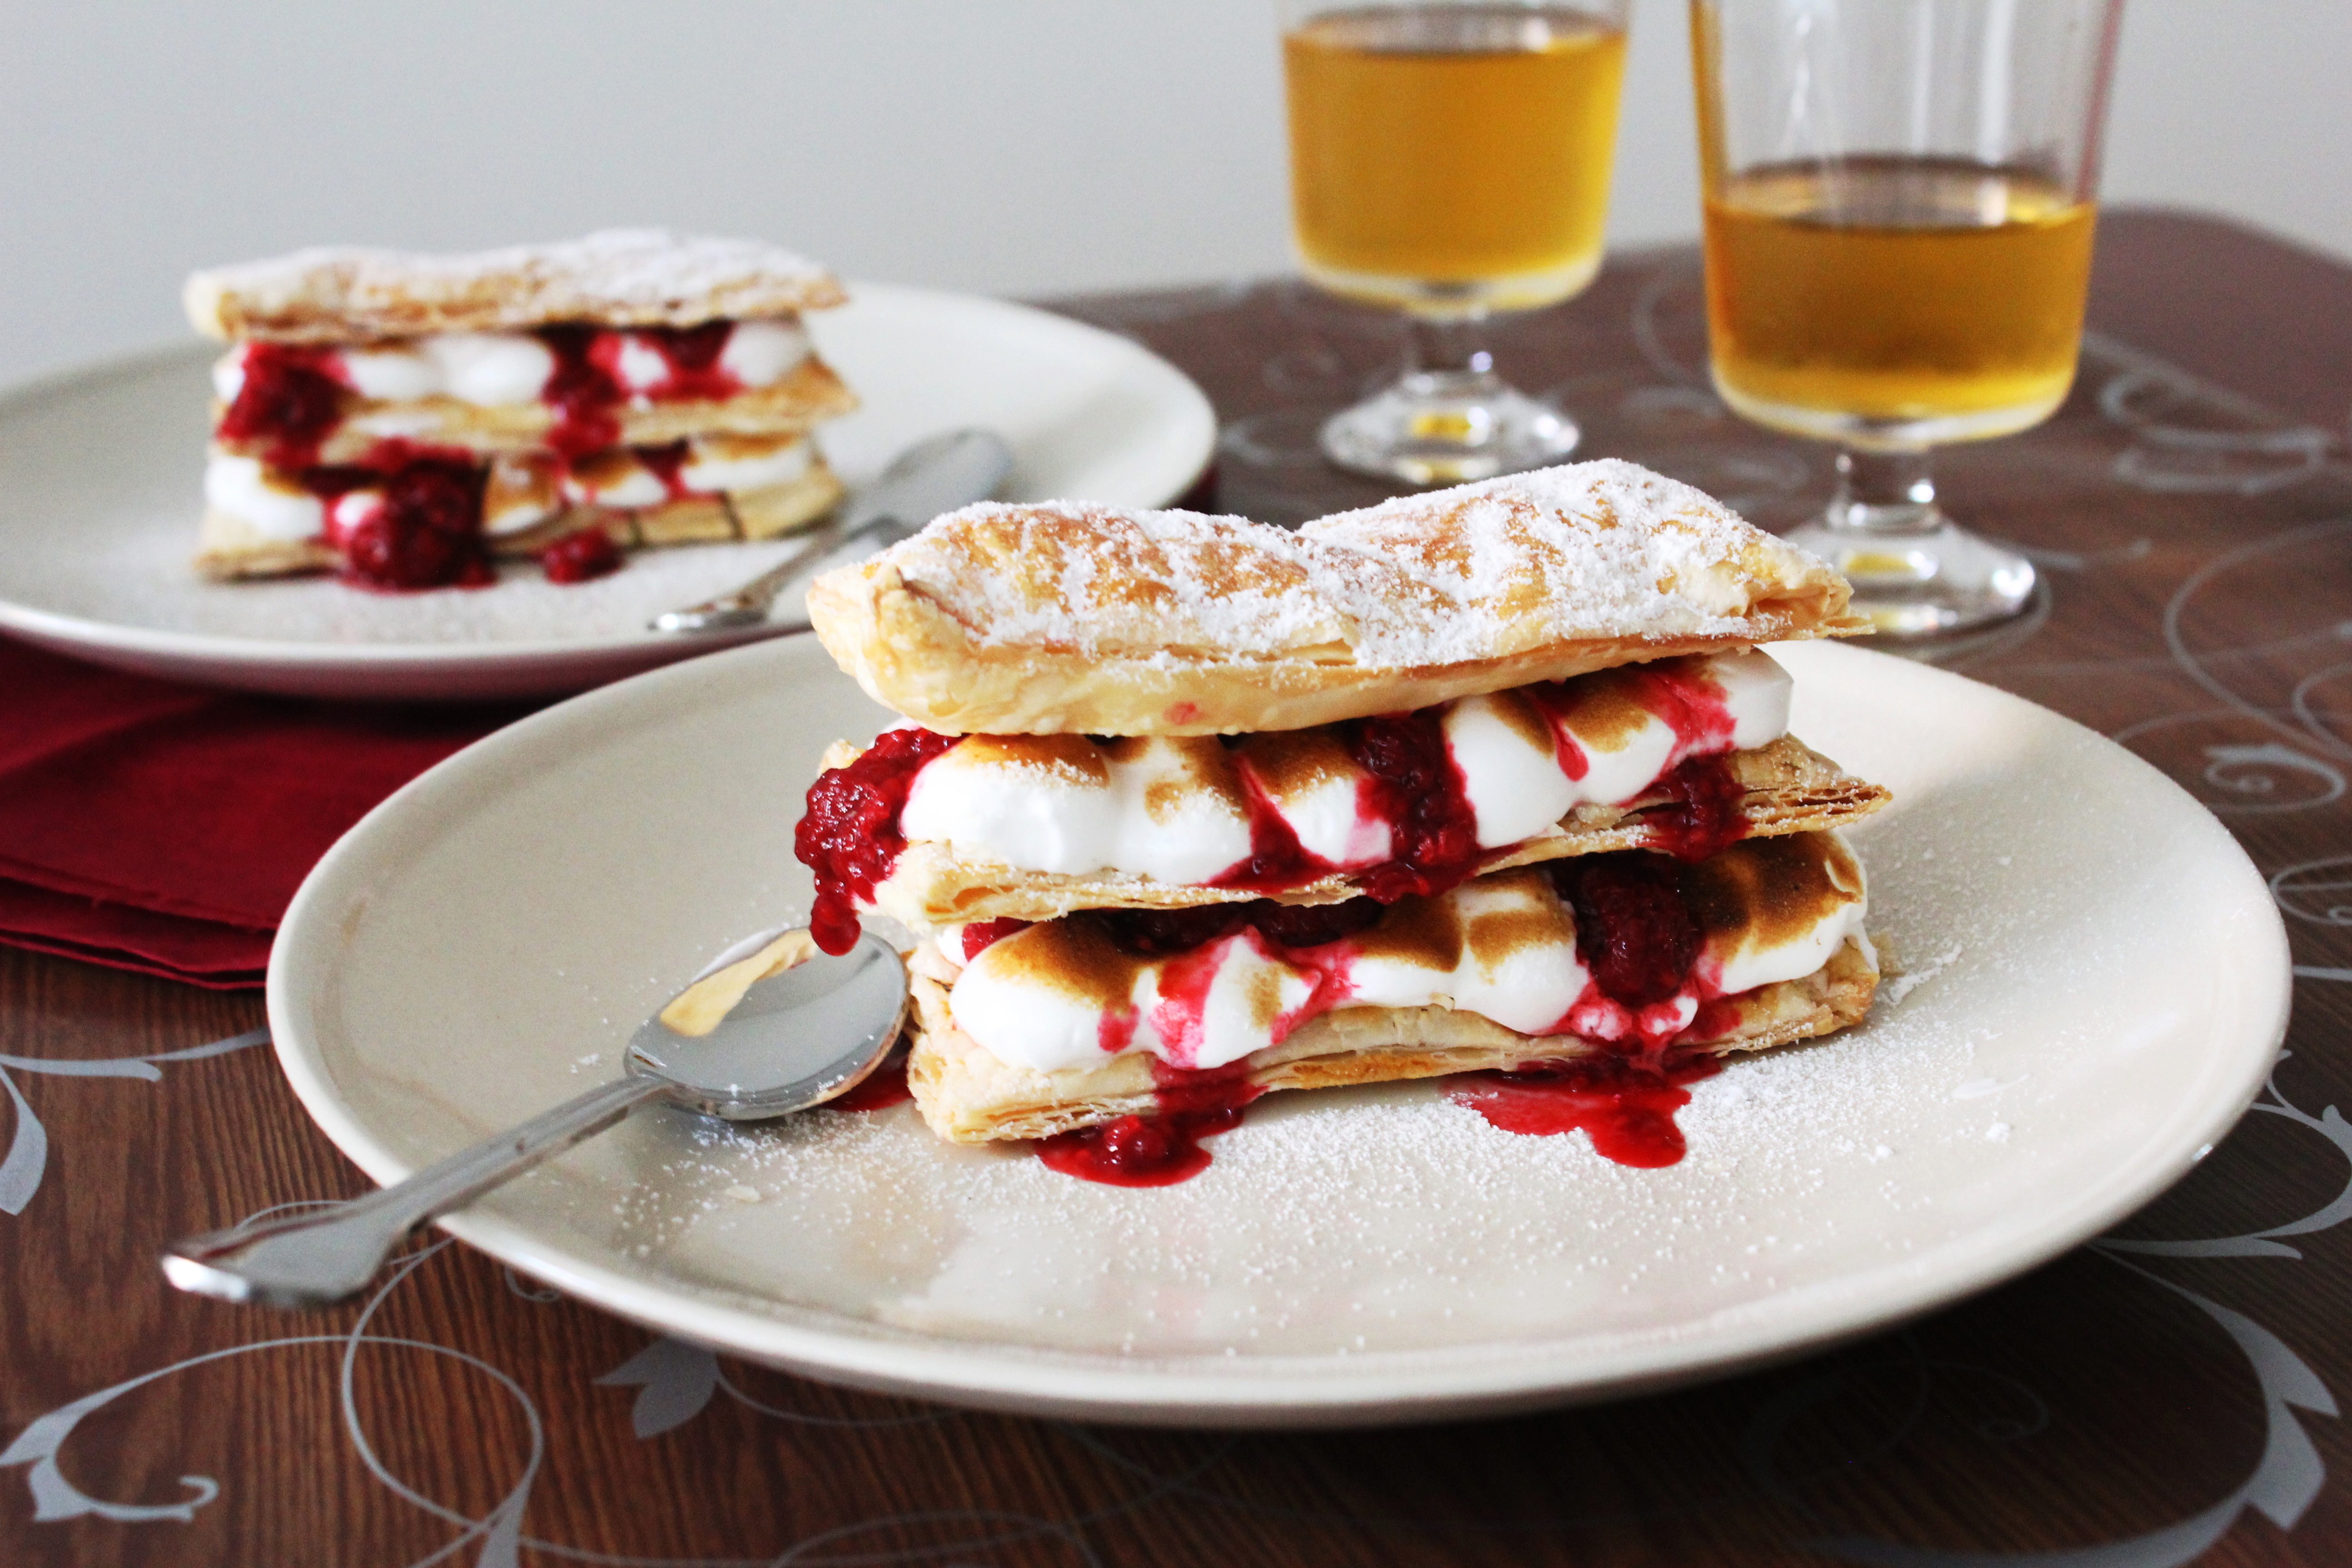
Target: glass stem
[[1885, 493], [1448, 357]]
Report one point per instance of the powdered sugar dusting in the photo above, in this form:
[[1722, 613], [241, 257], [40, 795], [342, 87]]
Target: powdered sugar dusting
[[1405, 1222], [1388, 1219], [621, 277], [1594, 550], [1096, 579], [2093, 973], [1598, 549]]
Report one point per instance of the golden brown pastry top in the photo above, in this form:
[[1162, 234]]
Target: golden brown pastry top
[[1065, 616], [614, 278]]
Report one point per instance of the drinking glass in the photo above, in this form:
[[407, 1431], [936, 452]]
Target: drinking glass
[[1899, 200], [1450, 161]]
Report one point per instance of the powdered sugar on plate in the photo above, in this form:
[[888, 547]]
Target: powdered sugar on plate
[[1388, 1218]]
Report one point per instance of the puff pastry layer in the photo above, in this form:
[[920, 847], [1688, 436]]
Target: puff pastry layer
[[1066, 618], [618, 277]]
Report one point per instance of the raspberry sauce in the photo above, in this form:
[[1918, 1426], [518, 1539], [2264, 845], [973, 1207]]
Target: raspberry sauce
[[850, 837], [427, 535], [1276, 859], [883, 1087], [1414, 788], [1417, 789], [1703, 815], [1181, 1015], [664, 463], [1634, 932], [290, 401], [1694, 709], [1161, 1148], [693, 355], [1625, 1104], [586, 391], [982, 935], [577, 557], [581, 391]]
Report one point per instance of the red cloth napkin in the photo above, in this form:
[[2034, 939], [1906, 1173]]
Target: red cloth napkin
[[164, 828]]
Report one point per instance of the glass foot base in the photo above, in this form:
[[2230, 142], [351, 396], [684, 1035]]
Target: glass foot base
[[1924, 581], [1444, 430]]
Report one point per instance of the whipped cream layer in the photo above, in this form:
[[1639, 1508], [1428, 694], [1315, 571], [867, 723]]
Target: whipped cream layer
[[271, 504], [1184, 809], [1066, 994], [521, 491], [492, 370]]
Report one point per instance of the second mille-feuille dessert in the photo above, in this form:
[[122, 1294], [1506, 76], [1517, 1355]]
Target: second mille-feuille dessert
[[1190, 808], [404, 418]]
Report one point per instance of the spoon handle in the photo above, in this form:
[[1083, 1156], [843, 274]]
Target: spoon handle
[[743, 607], [748, 605], [324, 1255]]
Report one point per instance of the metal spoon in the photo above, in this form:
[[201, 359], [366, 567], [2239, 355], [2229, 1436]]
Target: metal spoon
[[774, 1032], [929, 477]]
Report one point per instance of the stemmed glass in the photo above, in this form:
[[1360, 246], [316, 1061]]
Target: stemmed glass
[[1451, 160], [1899, 202]]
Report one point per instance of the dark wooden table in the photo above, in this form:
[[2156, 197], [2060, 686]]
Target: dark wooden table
[[2161, 1396]]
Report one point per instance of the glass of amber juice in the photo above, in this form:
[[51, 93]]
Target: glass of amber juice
[[1899, 200], [1450, 161]]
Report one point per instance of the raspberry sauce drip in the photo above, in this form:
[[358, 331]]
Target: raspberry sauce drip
[[1181, 1015], [427, 535], [1418, 790], [1634, 932], [1693, 708], [1115, 1032], [1161, 1148], [692, 354], [850, 836], [1551, 699], [982, 935], [1702, 814], [579, 556], [664, 463], [1625, 1104], [883, 1087], [1276, 859], [290, 401], [583, 393]]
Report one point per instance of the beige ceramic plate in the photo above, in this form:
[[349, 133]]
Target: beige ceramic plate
[[102, 476], [2097, 983]]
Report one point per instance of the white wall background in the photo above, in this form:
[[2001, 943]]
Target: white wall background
[[1011, 146]]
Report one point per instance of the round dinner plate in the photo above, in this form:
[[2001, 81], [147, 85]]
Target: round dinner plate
[[2093, 984], [101, 475]]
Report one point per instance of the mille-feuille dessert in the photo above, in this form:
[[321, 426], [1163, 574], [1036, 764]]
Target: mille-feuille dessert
[[402, 418], [1190, 809]]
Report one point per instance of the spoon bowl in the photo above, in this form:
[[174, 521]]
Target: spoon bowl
[[808, 1027]]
